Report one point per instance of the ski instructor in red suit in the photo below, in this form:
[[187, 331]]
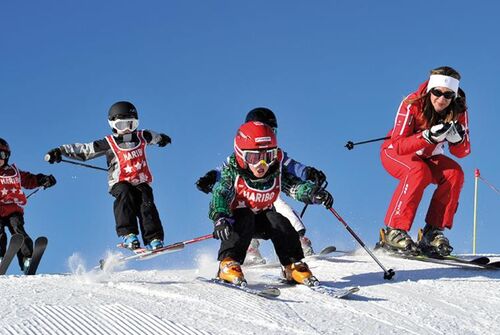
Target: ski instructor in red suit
[[427, 120]]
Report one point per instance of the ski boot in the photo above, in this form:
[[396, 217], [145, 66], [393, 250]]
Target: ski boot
[[230, 271], [398, 241], [299, 273], [131, 242], [155, 244], [432, 241], [306, 245], [26, 264], [253, 254]]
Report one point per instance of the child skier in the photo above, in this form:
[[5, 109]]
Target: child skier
[[206, 183], [129, 177], [12, 200], [242, 205]]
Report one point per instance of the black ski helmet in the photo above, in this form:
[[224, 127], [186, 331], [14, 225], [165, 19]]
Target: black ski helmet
[[122, 110], [264, 115], [4, 147]]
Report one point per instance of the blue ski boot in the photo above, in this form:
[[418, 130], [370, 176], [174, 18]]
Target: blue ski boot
[[26, 264], [131, 241], [155, 244]]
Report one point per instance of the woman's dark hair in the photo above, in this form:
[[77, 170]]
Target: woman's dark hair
[[457, 105]]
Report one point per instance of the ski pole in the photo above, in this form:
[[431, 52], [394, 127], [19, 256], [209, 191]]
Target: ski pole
[[29, 195], [171, 247], [388, 274], [350, 144], [303, 210], [47, 158], [181, 245]]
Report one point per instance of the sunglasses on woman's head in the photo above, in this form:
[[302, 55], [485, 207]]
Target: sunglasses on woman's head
[[447, 95]]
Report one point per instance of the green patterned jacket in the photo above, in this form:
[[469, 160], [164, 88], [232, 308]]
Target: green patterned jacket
[[223, 192]]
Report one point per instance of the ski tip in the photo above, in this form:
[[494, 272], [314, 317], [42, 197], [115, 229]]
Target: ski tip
[[354, 289], [270, 292], [328, 250], [42, 239]]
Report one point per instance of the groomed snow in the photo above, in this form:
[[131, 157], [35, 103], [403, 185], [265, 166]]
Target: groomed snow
[[422, 299]]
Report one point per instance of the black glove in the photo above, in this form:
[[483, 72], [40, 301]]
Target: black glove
[[45, 180], [323, 197], [165, 139], [207, 182], [456, 133], [54, 156], [223, 228], [315, 175], [436, 133], [460, 102]]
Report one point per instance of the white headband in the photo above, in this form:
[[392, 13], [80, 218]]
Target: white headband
[[438, 80]]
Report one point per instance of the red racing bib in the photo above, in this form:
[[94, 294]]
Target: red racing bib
[[132, 164], [256, 200], [11, 190]]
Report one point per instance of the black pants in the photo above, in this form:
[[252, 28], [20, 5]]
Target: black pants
[[266, 225], [132, 203], [15, 224]]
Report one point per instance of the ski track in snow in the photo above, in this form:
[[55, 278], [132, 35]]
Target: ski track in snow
[[423, 298]]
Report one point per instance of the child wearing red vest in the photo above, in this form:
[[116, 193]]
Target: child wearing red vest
[[129, 176], [242, 205], [12, 200]]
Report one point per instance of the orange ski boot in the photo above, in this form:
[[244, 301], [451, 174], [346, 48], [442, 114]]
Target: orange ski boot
[[299, 273], [230, 271]]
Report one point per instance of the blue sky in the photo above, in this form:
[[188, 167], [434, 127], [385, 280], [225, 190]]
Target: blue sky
[[332, 71]]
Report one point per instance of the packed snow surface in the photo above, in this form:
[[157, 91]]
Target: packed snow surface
[[422, 298]]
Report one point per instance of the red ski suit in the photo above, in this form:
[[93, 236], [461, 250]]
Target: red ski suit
[[408, 157]]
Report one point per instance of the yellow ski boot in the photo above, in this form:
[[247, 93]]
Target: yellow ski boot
[[230, 271], [299, 273]]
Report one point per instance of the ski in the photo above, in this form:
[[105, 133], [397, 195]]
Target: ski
[[495, 265], [38, 251], [268, 292], [451, 260], [482, 260], [454, 261], [338, 293], [144, 254], [318, 287], [327, 250], [15, 244]]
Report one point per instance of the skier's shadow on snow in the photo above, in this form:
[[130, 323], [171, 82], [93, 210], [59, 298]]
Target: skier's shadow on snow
[[376, 278], [172, 282], [335, 260]]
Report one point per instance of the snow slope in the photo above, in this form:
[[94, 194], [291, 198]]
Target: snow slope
[[422, 299]]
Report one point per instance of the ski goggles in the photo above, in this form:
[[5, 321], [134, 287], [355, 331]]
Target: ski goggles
[[122, 125], [255, 157], [447, 95], [4, 154]]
